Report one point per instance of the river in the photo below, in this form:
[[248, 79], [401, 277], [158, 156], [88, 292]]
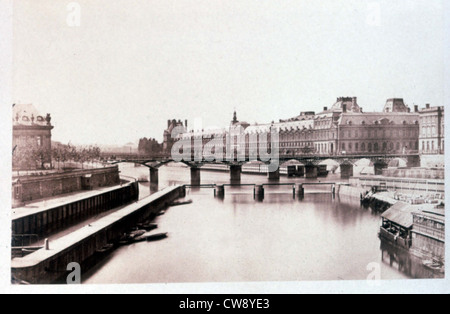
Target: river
[[239, 239]]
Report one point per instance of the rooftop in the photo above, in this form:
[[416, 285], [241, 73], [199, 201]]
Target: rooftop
[[27, 114]]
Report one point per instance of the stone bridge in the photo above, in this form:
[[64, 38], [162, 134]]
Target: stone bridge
[[310, 164]]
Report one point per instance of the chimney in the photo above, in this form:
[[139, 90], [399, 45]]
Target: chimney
[[409, 109], [416, 108], [168, 123], [344, 108], [427, 106], [354, 101], [185, 124], [325, 108]]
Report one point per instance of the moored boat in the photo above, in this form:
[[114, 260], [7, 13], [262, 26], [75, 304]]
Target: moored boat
[[157, 236], [106, 248], [151, 237], [179, 203]]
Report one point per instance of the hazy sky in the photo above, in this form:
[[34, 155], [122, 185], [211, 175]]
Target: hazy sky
[[132, 65]]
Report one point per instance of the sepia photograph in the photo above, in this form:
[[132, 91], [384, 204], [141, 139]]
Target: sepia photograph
[[268, 143]]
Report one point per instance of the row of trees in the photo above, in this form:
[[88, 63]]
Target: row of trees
[[80, 154], [31, 156]]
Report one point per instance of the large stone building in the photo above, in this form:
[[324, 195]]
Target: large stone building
[[32, 138], [342, 129], [431, 139]]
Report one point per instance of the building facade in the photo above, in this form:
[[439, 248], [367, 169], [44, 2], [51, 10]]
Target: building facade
[[428, 233], [168, 140], [431, 139], [32, 138], [342, 129]]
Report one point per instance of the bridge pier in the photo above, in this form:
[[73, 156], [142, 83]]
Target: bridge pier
[[311, 171], [413, 161], [220, 191], [378, 167], [154, 175], [346, 171], [259, 192], [275, 175], [300, 191], [195, 176], [235, 174]]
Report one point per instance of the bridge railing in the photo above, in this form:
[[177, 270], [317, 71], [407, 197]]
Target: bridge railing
[[282, 157]]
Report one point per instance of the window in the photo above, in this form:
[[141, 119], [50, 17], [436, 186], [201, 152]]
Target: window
[[39, 141], [369, 147], [356, 147], [343, 146], [363, 146], [375, 147]]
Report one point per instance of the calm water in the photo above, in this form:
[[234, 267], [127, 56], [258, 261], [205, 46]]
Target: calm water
[[240, 239]]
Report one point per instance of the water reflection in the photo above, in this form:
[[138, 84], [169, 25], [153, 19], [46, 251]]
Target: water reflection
[[237, 238], [404, 262]]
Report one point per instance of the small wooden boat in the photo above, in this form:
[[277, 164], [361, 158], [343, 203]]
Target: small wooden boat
[[137, 233], [129, 238], [148, 226], [157, 236], [179, 203], [434, 266], [148, 236], [106, 248]]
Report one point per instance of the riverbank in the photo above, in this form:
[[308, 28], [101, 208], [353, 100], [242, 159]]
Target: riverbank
[[46, 266]]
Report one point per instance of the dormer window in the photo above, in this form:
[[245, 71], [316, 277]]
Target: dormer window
[[25, 118]]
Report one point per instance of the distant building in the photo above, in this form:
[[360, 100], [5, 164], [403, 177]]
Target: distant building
[[168, 141], [342, 129], [395, 105], [431, 139], [428, 233], [32, 138], [346, 129]]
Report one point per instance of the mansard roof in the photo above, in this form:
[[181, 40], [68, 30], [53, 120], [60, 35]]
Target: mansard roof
[[378, 118], [28, 115]]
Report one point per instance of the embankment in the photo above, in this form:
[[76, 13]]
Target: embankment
[[48, 266]]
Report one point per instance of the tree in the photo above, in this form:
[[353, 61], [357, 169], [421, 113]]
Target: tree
[[149, 146]]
